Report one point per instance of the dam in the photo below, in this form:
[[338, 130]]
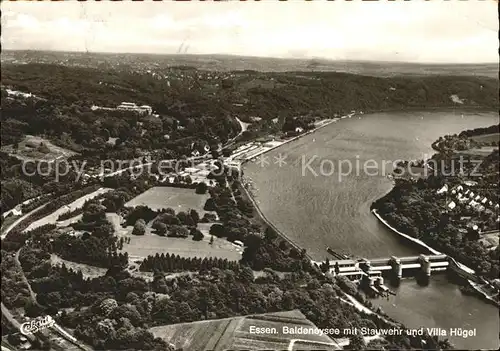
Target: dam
[[357, 269]]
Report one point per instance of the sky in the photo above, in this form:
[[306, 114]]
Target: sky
[[433, 31]]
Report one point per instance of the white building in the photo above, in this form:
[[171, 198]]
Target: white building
[[131, 106], [443, 189]]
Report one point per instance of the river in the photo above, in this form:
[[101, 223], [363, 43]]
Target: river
[[320, 207]]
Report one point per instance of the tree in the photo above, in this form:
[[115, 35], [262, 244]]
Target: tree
[[211, 240], [210, 205], [270, 234], [325, 266], [197, 235], [178, 231], [139, 227], [184, 312], [94, 212], [356, 342], [169, 218], [195, 216], [32, 309], [201, 188], [160, 227], [218, 230], [246, 274]]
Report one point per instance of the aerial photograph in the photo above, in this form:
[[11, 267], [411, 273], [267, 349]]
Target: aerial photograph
[[250, 175]]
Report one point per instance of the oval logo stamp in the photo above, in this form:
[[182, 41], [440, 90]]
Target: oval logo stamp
[[36, 325]]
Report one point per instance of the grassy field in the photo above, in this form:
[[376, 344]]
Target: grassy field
[[52, 218], [234, 333], [179, 199], [150, 244], [91, 272], [487, 138], [490, 240], [29, 149], [480, 151], [69, 221], [87, 270]]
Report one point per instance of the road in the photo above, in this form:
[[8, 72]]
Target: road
[[8, 315], [244, 127], [19, 207], [51, 218], [55, 327], [19, 220]]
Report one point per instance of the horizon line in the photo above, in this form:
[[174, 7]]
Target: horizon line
[[252, 56]]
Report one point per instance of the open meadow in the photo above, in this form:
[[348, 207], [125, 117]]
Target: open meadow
[[37, 148], [150, 244], [234, 334], [487, 138], [480, 151], [88, 271], [179, 199]]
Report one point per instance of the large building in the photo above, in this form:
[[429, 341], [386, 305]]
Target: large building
[[130, 106]]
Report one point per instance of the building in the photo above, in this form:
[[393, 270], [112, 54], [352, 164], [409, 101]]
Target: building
[[443, 189], [147, 109], [131, 106]]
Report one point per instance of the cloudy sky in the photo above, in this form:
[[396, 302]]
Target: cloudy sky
[[417, 31]]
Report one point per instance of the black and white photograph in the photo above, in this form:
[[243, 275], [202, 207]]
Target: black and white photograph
[[250, 175]]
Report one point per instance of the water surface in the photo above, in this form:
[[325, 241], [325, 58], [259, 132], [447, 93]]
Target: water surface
[[332, 210]]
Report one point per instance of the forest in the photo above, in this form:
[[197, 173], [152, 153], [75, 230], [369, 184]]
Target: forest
[[121, 307], [192, 108]]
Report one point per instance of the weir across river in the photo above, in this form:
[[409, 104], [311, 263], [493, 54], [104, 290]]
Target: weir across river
[[356, 269]]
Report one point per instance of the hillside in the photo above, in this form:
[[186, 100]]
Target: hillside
[[262, 64], [189, 95], [74, 106]]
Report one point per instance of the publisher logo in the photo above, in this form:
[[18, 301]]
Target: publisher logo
[[36, 325]]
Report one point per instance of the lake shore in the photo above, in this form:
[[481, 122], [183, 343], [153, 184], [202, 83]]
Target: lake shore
[[367, 113], [327, 123], [255, 195], [406, 236]]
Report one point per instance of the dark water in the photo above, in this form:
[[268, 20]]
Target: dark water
[[442, 305], [320, 209]]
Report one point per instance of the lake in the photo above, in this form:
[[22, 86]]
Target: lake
[[318, 203]]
